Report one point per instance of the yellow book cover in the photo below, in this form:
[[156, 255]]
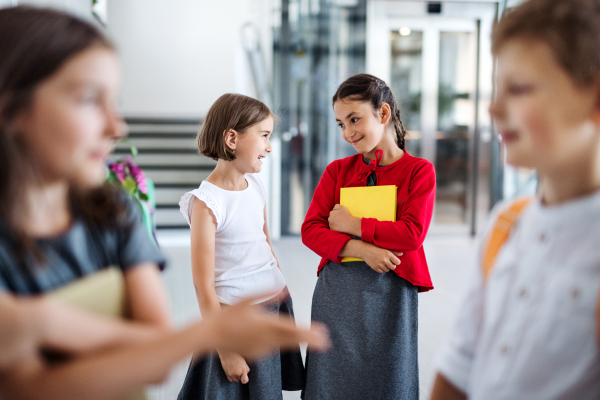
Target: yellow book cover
[[379, 202]]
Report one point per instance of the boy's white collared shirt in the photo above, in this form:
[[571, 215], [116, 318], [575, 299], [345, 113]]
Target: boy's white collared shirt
[[529, 332]]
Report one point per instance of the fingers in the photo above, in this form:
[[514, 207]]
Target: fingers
[[387, 264], [238, 374], [244, 378], [232, 377], [317, 337]]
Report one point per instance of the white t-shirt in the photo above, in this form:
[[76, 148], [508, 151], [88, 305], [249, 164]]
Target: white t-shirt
[[529, 331], [244, 263]]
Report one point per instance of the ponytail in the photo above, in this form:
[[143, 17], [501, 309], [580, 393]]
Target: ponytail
[[370, 89]]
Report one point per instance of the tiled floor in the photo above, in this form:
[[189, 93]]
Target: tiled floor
[[449, 254]]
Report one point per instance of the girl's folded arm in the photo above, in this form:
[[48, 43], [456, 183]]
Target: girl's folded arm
[[409, 231], [68, 329], [316, 234], [116, 373]]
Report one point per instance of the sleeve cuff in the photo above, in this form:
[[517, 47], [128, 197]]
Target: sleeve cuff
[[367, 229], [455, 367], [336, 248]]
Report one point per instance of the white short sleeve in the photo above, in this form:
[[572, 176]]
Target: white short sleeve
[[187, 203]]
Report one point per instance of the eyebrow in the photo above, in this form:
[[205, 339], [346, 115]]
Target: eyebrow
[[349, 115]]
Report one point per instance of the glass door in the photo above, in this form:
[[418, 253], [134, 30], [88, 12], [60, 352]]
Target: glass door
[[434, 65]]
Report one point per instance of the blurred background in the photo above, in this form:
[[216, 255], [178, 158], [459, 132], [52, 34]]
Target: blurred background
[[179, 56]]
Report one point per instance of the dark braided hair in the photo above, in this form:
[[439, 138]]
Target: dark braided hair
[[370, 89]]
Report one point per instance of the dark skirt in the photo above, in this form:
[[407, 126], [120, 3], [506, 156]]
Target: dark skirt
[[372, 319], [206, 379]]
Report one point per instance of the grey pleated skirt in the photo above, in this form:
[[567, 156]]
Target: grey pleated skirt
[[373, 323], [206, 379]]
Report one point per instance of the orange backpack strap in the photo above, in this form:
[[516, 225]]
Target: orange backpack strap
[[500, 232]]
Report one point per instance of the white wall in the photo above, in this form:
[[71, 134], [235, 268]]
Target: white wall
[[6, 3], [179, 56], [80, 7]]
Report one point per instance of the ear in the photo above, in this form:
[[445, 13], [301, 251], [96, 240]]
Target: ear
[[385, 113], [230, 137], [19, 123]]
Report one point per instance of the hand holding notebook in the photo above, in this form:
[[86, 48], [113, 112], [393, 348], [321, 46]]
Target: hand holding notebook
[[379, 202]]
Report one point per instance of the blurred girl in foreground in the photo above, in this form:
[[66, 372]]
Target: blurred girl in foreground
[[58, 223]]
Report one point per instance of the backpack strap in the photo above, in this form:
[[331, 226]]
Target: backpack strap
[[500, 233]]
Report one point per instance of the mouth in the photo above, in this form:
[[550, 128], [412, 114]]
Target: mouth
[[354, 142], [100, 155], [260, 158], [509, 136]]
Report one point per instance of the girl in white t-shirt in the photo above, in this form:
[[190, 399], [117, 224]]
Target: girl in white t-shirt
[[232, 256]]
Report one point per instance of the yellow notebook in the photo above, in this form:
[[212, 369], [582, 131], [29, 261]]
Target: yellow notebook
[[102, 293], [377, 202]]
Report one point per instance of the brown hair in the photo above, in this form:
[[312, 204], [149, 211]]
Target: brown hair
[[370, 89], [34, 44], [230, 111], [571, 28]]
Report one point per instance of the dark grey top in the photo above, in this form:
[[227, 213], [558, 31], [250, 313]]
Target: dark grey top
[[81, 251]]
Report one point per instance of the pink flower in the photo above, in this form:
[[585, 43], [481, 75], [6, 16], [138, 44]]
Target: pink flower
[[139, 177], [119, 170]]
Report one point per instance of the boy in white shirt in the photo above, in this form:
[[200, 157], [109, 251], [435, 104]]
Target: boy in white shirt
[[528, 328]]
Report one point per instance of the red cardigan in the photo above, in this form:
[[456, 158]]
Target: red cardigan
[[415, 179]]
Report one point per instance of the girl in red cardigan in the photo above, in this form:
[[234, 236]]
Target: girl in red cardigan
[[370, 307]]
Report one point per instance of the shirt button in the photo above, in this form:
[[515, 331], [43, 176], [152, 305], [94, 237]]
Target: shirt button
[[522, 292], [504, 350], [575, 293], [542, 238]]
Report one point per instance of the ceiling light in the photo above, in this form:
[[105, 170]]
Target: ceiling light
[[405, 31]]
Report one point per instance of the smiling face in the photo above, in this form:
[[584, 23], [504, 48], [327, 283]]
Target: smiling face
[[252, 146], [361, 127], [72, 122], [545, 120]]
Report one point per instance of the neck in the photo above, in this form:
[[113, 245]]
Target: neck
[[391, 151], [577, 179], [227, 176], [46, 208]]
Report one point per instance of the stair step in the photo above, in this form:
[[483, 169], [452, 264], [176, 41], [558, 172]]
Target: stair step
[[168, 160], [162, 135], [193, 177], [170, 196], [170, 217], [156, 150], [168, 154], [160, 143]]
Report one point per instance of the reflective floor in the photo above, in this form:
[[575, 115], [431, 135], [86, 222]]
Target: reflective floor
[[450, 255]]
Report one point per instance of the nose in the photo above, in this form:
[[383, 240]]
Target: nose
[[269, 147], [116, 128], [496, 109], [346, 134]]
